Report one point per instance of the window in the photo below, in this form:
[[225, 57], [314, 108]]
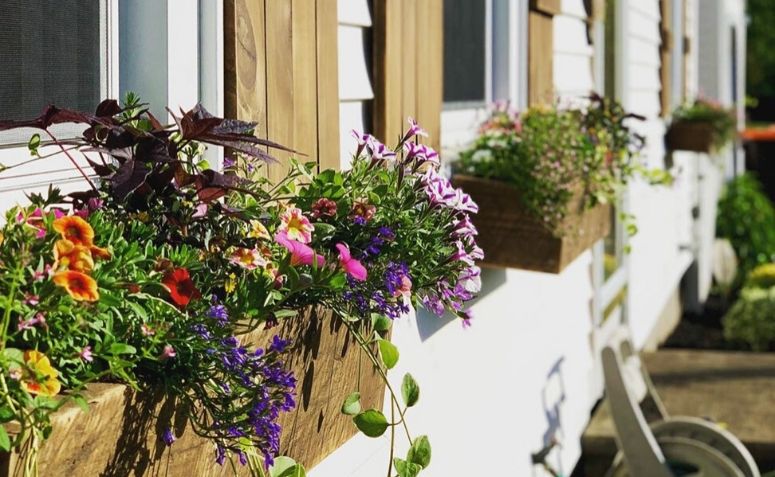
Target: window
[[465, 51], [485, 60], [51, 52]]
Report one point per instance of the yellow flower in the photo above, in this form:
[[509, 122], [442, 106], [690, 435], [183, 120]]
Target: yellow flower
[[41, 377], [231, 283], [258, 230], [70, 256], [80, 286]]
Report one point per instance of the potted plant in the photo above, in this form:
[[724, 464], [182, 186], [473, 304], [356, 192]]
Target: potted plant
[[701, 126], [173, 296], [545, 179]]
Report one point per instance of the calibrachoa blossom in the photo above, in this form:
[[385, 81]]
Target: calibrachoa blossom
[[295, 225], [247, 258], [323, 207], [79, 286], [362, 211], [182, 289], [41, 378]]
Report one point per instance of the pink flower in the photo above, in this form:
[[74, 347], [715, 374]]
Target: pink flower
[[363, 211], [147, 330], [351, 266], [42, 275], [31, 300], [363, 139], [380, 151], [38, 319], [323, 207], [35, 219], [200, 211], [167, 353], [414, 130], [15, 374], [295, 225], [86, 355], [421, 153], [247, 258], [406, 287], [301, 254]]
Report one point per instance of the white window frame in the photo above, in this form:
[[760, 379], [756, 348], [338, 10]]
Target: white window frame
[[505, 79]]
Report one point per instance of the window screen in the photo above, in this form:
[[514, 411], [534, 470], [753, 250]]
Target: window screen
[[464, 50], [50, 52]]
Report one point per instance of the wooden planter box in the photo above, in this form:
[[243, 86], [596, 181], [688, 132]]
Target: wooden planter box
[[119, 436], [690, 136], [512, 237]]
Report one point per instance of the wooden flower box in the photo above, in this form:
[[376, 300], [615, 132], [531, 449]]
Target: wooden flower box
[[512, 237], [119, 436], [690, 136]]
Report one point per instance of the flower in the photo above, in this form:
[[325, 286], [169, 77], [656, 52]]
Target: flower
[[467, 315], [420, 153], [414, 130], [69, 256], [301, 254], [86, 354], [147, 330], [75, 229], [353, 267], [182, 289], [34, 219], [167, 353], [362, 211], [379, 151], [231, 283], [218, 312], [247, 258], [38, 319], [31, 300], [323, 207], [79, 286], [258, 230], [39, 367], [295, 225], [39, 275], [168, 437]]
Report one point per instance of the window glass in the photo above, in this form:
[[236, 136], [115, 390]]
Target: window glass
[[50, 52], [465, 51]]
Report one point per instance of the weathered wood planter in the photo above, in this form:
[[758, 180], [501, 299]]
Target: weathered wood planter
[[512, 237], [119, 436], [690, 136]]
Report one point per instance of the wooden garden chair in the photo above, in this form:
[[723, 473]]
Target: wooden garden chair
[[663, 446]]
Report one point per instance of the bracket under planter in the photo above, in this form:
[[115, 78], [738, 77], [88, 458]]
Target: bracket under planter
[[119, 435], [512, 237], [690, 136]]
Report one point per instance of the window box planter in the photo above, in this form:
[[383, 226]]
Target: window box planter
[[120, 434], [690, 136], [512, 238]]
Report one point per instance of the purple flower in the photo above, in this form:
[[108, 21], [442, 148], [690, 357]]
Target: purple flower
[[228, 162], [464, 228], [220, 454], [467, 315], [420, 153], [242, 458], [278, 345], [414, 130], [379, 151], [168, 437], [86, 354], [433, 304], [218, 312]]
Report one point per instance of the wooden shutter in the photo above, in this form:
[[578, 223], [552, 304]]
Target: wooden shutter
[[540, 56], [665, 54], [408, 52], [281, 70]]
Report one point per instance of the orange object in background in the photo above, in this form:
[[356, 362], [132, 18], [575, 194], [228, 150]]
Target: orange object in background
[[759, 134]]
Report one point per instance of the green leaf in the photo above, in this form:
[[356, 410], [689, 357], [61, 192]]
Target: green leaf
[[420, 452], [34, 144], [389, 353], [372, 423], [406, 469], [122, 348], [285, 313], [352, 404], [81, 402], [6, 414], [410, 391], [338, 281], [380, 322], [5, 441], [286, 467]]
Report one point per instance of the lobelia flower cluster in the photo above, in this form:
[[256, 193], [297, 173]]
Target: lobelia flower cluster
[[194, 263]]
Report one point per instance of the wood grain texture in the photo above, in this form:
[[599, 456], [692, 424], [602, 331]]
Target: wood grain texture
[[512, 237], [119, 436], [540, 58], [281, 115], [665, 56], [388, 46], [430, 68], [547, 7], [327, 84]]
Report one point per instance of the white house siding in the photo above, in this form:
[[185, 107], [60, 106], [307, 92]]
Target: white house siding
[[573, 53]]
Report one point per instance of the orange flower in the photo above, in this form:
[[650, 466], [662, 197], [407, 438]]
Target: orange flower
[[75, 229], [80, 286], [99, 252], [73, 257], [42, 377]]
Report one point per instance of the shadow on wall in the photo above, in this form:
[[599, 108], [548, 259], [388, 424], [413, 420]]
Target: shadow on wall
[[428, 323], [552, 399]]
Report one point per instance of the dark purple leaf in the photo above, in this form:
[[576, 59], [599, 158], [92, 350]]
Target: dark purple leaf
[[108, 108], [129, 176]]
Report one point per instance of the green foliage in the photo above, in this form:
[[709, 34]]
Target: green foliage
[[762, 277], [752, 318], [410, 392], [550, 153], [760, 63], [747, 218], [722, 120], [352, 404], [371, 422]]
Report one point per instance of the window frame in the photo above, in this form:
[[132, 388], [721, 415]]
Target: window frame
[[505, 79]]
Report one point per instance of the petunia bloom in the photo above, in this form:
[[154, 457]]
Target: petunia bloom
[[39, 367], [301, 254], [351, 266], [247, 258], [79, 286], [69, 256], [414, 130], [258, 230], [75, 229], [295, 225], [182, 289]]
